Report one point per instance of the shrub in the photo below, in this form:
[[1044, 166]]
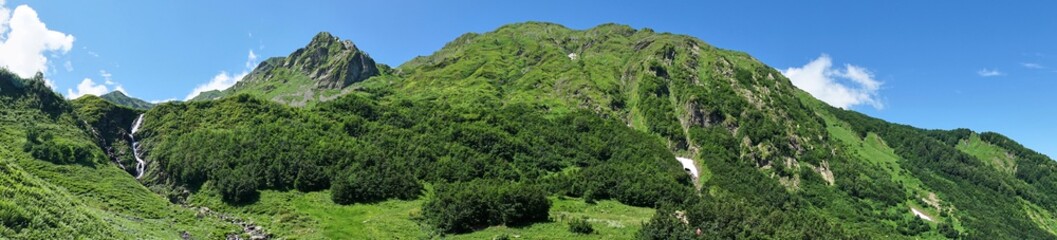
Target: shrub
[[311, 178], [581, 226], [236, 186], [464, 206], [372, 184], [12, 216]]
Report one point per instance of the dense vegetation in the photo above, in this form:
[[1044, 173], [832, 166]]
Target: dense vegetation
[[365, 152], [989, 203], [465, 206], [509, 129], [110, 126], [56, 182]]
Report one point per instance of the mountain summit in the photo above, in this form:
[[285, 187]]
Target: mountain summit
[[330, 62], [119, 98], [315, 72]]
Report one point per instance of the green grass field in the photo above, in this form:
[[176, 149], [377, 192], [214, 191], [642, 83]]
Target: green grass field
[[314, 216], [989, 153]]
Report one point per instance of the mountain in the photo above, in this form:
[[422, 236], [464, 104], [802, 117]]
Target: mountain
[[532, 130], [119, 98], [319, 71], [59, 184]]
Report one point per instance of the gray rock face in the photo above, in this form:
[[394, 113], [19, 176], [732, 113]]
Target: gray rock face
[[333, 63]]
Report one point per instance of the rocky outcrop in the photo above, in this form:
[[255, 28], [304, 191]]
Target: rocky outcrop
[[253, 231], [331, 62]]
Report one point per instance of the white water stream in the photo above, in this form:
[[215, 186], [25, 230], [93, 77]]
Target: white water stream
[[140, 164]]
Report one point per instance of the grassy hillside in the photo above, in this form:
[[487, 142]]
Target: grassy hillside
[[59, 183], [119, 98], [313, 216], [530, 131], [110, 125], [770, 152]]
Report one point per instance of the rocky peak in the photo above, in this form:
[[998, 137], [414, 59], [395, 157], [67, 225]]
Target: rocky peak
[[331, 62]]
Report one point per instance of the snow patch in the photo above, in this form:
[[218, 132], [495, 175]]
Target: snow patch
[[688, 164], [921, 215]]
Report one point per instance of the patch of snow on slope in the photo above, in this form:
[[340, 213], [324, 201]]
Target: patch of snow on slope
[[920, 214], [688, 164]]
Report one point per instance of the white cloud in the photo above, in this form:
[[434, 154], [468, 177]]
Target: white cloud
[[68, 65], [842, 88], [251, 60], [223, 80], [24, 39], [87, 86], [989, 72], [162, 101], [51, 84], [106, 77], [1033, 65]]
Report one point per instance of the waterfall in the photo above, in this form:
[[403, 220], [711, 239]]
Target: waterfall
[[141, 165]]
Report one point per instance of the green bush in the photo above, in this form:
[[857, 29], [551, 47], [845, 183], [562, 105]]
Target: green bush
[[236, 186], [45, 146], [311, 178], [12, 216], [581, 226], [373, 184], [464, 206]]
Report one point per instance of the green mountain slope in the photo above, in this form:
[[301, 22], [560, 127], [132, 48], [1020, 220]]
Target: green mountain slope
[[768, 151], [58, 183], [533, 130], [119, 98], [320, 71], [111, 125], [726, 109]]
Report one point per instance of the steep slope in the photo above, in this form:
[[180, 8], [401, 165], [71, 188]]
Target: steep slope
[[674, 86], [742, 120], [226, 154], [319, 71], [110, 127], [119, 98], [501, 128], [767, 151], [969, 191], [58, 183]]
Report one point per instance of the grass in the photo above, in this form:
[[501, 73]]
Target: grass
[[296, 215], [96, 200], [610, 219], [874, 150], [1046, 220], [992, 155]]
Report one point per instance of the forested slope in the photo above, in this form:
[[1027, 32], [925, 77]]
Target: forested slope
[[58, 183], [517, 131]]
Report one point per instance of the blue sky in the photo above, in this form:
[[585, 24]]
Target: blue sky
[[982, 65]]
